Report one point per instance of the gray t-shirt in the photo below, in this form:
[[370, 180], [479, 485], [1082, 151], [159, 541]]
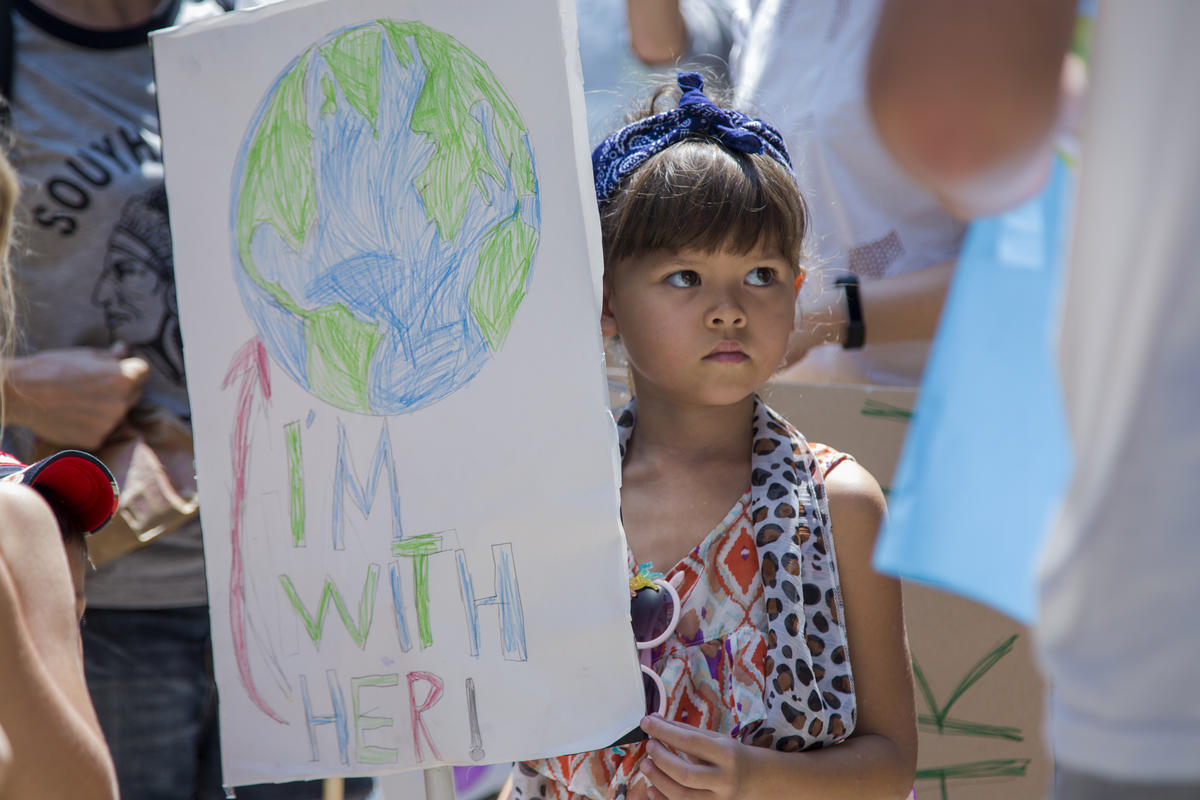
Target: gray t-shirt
[[93, 259]]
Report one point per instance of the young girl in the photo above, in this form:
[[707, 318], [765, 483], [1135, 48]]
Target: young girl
[[788, 672]]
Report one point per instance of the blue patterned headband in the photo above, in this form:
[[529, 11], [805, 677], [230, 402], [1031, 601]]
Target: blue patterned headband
[[696, 117]]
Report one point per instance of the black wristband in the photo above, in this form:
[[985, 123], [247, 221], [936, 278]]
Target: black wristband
[[856, 329]]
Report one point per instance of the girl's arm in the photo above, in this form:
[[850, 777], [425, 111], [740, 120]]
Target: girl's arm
[[879, 760]]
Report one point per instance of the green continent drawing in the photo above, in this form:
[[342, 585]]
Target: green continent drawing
[[385, 217]]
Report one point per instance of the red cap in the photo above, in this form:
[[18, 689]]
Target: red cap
[[76, 480]]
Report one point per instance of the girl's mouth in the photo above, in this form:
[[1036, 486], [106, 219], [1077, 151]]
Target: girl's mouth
[[727, 352]]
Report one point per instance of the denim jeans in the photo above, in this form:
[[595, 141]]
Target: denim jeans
[[150, 676]]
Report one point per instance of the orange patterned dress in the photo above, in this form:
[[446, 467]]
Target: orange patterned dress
[[713, 665]]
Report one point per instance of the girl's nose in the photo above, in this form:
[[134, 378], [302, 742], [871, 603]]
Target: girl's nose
[[726, 313]]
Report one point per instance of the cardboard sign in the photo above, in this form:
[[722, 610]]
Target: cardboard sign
[[978, 693], [383, 229]]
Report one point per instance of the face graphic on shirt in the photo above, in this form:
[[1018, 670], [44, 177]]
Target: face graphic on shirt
[[131, 290], [136, 287]]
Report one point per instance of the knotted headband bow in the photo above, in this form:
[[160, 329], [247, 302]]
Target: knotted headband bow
[[696, 117]]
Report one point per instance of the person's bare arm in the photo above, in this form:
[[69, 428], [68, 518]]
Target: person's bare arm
[[960, 87], [5, 759], [896, 308], [73, 397], [657, 30], [879, 759], [58, 749]]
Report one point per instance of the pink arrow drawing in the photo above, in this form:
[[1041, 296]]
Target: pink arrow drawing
[[250, 364]]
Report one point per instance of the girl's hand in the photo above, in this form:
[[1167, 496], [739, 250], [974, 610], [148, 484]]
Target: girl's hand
[[704, 763]]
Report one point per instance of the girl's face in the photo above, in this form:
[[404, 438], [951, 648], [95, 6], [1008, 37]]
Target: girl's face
[[701, 328]]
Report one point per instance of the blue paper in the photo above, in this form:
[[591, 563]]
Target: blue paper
[[987, 456]]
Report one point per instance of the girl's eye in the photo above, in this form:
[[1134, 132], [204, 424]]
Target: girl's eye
[[760, 276], [684, 279]]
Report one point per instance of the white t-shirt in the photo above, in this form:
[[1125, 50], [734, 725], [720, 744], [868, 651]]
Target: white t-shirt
[[801, 67], [1119, 618]]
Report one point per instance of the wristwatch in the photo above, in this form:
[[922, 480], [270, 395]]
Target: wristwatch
[[856, 330]]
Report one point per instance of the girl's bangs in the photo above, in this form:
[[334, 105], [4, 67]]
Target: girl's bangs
[[698, 195]]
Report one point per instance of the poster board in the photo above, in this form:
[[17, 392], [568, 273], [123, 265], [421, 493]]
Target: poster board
[[978, 691], [383, 229]]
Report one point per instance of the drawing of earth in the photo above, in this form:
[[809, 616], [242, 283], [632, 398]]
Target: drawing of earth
[[385, 216]]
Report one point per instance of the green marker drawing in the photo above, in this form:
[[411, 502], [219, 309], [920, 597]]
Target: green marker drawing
[[939, 721], [353, 58], [386, 217], [997, 768], [457, 84], [369, 753], [499, 288], [329, 96], [315, 623], [419, 549], [291, 437], [875, 408]]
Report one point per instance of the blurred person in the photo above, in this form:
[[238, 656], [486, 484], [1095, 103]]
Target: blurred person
[[55, 745], [965, 95], [99, 349], [45, 711], [878, 234], [883, 244]]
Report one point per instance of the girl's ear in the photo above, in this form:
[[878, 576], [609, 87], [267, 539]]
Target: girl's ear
[[608, 323]]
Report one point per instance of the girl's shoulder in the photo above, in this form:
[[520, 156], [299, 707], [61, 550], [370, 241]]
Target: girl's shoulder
[[856, 500], [827, 457], [848, 483]]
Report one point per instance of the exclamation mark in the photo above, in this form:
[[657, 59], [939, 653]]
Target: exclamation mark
[[477, 753]]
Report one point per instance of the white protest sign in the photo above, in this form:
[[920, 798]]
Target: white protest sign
[[383, 226]]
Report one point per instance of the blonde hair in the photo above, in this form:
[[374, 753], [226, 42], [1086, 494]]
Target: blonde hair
[[8, 202]]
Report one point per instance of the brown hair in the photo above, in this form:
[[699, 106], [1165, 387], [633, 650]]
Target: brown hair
[[698, 194], [8, 202]]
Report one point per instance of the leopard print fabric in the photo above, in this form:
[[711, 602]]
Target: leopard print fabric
[[810, 693]]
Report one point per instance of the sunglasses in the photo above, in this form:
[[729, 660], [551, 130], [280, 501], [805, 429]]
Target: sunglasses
[[654, 613]]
